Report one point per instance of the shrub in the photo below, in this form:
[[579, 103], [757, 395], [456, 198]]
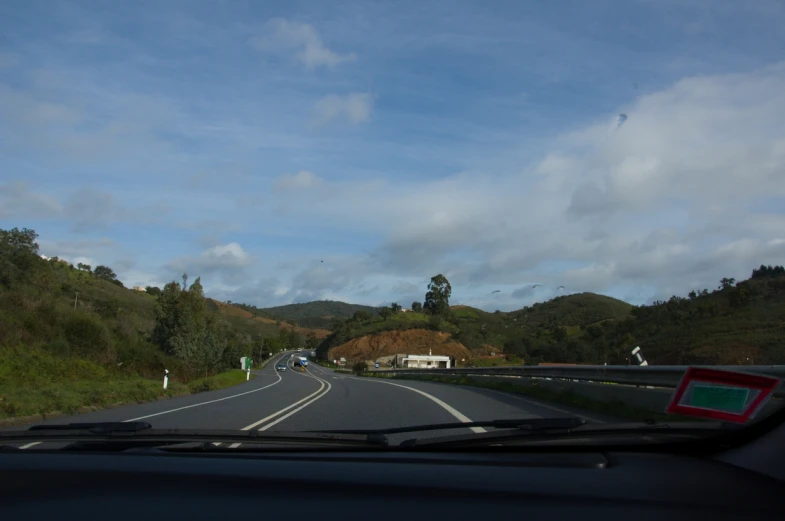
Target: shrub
[[360, 367], [89, 336]]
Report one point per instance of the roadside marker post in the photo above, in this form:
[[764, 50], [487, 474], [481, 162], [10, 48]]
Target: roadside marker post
[[166, 378], [247, 374]]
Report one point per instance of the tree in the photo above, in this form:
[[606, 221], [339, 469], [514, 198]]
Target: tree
[[85, 267], [185, 280], [18, 255], [416, 307], [104, 272], [727, 283], [360, 367], [361, 316], [395, 307], [385, 312], [692, 295], [184, 330], [154, 291], [437, 299]]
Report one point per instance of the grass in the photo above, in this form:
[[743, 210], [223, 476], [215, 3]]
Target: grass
[[611, 409], [219, 381], [34, 382]]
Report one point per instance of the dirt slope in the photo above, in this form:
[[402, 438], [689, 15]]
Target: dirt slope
[[410, 342]]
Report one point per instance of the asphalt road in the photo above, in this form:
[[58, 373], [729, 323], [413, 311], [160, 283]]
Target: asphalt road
[[319, 398]]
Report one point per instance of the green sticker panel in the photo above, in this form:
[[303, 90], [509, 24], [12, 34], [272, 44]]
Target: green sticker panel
[[719, 397]]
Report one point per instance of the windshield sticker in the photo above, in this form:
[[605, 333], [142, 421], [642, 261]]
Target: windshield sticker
[[721, 395]]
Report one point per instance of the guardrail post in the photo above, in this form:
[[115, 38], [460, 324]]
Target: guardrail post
[[166, 378]]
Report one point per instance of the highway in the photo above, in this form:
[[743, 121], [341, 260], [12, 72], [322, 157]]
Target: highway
[[319, 398]]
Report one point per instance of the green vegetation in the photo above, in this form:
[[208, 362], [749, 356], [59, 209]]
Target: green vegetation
[[320, 314], [68, 318], [218, 381], [736, 324]]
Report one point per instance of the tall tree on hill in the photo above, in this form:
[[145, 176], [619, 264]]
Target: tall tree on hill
[[437, 299], [18, 254], [385, 312], [182, 328], [104, 272], [727, 282], [395, 307], [416, 307]]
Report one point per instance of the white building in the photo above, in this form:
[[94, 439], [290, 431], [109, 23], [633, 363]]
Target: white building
[[429, 361]]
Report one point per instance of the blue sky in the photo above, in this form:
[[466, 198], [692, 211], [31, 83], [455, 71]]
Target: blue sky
[[290, 151]]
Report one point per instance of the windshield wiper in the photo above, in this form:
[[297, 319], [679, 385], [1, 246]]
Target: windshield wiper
[[524, 424], [141, 434], [552, 430]]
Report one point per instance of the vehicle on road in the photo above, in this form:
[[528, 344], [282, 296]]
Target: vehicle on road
[[280, 367]]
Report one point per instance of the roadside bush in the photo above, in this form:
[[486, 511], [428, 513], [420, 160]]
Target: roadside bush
[[360, 367], [90, 337]]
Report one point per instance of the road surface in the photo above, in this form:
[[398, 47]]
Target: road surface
[[319, 399]]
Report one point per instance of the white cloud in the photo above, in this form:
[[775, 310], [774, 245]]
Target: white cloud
[[301, 180], [229, 261], [669, 200], [18, 202], [356, 107], [282, 36]]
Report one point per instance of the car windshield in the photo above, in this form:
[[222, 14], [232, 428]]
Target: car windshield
[[366, 217]]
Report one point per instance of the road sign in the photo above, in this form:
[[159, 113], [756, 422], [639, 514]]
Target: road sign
[[721, 395]]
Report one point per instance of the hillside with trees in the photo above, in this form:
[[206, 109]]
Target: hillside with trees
[[58, 316], [319, 314], [736, 323]]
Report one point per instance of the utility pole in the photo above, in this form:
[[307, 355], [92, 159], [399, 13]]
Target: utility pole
[[75, 299]]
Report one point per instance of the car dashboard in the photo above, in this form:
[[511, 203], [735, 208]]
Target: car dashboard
[[385, 485]]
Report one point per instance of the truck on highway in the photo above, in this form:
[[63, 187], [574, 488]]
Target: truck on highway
[[300, 360]]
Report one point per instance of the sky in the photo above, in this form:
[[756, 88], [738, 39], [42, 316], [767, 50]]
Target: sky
[[294, 151]]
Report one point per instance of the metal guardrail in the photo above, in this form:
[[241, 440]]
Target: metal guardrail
[[653, 375]]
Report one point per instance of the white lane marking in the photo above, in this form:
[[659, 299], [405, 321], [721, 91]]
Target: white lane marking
[[447, 407], [208, 402], [28, 445], [279, 420], [303, 406]]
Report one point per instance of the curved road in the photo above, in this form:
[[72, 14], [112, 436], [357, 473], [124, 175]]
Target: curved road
[[319, 398]]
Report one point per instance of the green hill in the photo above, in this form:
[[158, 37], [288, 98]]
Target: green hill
[[740, 323], [539, 327], [579, 309], [735, 324], [78, 317], [321, 314]]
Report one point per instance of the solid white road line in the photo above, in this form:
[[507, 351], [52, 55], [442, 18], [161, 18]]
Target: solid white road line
[[447, 407], [208, 402], [310, 397], [28, 445]]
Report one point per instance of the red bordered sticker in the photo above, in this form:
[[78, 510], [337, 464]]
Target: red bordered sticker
[[721, 395]]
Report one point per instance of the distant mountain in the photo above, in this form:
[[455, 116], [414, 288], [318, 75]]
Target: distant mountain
[[320, 314]]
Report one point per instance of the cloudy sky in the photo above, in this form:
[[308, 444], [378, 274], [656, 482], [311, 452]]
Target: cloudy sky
[[348, 150]]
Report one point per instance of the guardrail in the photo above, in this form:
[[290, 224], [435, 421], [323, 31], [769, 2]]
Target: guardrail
[[652, 375]]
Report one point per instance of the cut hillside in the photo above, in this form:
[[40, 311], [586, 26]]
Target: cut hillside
[[410, 342], [320, 314]]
